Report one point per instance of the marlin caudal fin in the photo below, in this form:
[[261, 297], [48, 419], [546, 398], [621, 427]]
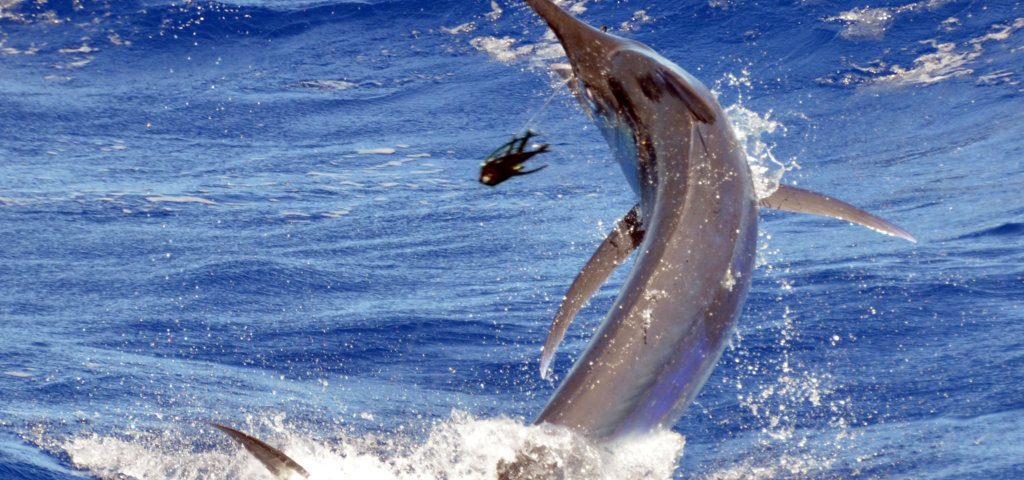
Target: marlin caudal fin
[[623, 239], [279, 464], [792, 199]]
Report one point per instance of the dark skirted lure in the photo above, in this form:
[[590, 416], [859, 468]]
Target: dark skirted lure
[[507, 160]]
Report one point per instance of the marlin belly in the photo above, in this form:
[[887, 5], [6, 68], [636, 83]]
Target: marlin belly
[[672, 319]]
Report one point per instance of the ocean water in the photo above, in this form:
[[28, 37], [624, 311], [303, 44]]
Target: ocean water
[[265, 213]]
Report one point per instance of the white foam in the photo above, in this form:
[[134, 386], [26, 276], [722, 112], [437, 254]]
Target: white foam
[[575, 7], [395, 163], [116, 39], [950, 24], [998, 78], [547, 49], [14, 51], [944, 63], [496, 11], [376, 151], [948, 60], [502, 49], [82, 49], [460, 29], [722, 4], [999, 32], [461, 447], [336, 213], [640, 17], [329, 84], [19, 374], [864, 22], [79, 63], [6, 6], [179, 199], [329, 174], [872, 22]]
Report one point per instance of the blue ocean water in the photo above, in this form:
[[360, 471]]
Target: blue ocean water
[[265, 213]]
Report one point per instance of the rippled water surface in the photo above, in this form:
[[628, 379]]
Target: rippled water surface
[[265, 213]]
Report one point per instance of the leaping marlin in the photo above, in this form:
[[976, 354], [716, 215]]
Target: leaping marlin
[[695, 226]]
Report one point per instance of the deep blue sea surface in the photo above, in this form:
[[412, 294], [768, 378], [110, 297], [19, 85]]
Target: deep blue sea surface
[[265, 213]]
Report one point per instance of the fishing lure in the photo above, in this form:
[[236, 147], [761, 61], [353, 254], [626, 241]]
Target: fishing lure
[[507, 160]]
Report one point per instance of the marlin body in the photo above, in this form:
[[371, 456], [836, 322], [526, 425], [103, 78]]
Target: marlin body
[[697, 224], [694, 227]]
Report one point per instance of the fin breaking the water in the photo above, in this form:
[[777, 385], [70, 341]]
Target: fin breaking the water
[[279, 464], [792, 199]]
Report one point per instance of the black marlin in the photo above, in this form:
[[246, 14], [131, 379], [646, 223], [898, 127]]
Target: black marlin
[[694, 227]]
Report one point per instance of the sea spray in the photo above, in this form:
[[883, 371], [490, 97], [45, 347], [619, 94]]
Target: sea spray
[[461, 446]]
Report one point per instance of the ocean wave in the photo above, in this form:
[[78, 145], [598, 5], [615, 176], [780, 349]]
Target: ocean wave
[[143, 24], [247, 278], [1008, 229], [945, 61]]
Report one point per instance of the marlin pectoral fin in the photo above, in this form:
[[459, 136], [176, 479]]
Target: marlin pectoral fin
[[615, 249], [279, 464], [792, 199], [657, 80]]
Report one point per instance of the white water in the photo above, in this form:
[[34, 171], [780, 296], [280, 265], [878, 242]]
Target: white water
[[461, 447]]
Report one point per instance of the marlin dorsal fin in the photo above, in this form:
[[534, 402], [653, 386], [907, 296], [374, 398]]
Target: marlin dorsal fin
[[621, 241], [792, 199], [279, 464]]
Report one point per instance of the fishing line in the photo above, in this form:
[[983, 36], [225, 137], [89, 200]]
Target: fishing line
[[526, 127]]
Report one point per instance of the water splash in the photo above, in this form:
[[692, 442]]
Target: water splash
[[753, 131], [460, 447], [801, 427]]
